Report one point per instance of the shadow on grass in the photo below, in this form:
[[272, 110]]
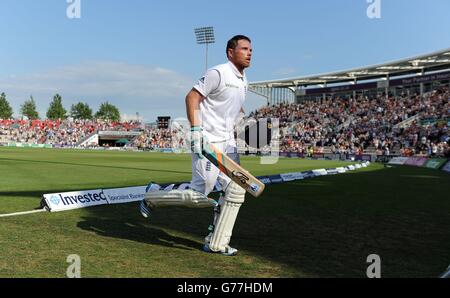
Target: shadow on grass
[[330, 230], [135, 231], [323, 227]]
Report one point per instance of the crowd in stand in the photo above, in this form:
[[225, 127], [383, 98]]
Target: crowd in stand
[[365, 124], [153, 138], [61, 133], [335, 125]]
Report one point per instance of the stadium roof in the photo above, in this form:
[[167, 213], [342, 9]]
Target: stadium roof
[[408, 66]]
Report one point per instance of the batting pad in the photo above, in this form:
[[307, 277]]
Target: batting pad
[[234, 198], [178, 198]]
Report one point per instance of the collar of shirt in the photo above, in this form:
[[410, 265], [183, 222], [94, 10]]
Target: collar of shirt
[[235, 70]]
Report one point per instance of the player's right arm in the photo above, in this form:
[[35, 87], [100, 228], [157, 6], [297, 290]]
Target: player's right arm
[[193, 100]]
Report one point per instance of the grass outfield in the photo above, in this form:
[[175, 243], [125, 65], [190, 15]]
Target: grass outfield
[[322, 227]]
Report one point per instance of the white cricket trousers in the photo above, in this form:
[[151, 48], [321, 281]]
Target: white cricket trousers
[[205, 174]]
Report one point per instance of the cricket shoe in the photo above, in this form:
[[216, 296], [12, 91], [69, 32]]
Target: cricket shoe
[[229, 251], [144, 209], [152, 186]]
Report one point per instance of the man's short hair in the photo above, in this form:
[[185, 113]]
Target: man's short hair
[[233, 42]]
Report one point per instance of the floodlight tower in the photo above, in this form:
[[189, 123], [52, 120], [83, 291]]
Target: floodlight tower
[[205, 35]]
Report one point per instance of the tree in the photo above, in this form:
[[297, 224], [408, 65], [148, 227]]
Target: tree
[[29, 109], [56, 109], [5, 109], [81, 111], [108, 111]]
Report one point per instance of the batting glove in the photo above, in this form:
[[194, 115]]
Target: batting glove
[[197, 141]]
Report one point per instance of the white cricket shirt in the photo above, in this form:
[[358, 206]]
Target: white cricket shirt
[[224, 89]]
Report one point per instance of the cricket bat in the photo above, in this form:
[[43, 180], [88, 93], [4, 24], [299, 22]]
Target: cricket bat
[[230, 168]]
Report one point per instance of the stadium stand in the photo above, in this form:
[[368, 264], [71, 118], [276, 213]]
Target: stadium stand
[[335, 125], [365, 125], [395, 108], [397, 126]]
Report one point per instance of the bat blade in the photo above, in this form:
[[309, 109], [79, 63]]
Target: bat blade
[[233, 170]]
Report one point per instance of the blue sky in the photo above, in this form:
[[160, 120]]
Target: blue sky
[[141, 55]]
